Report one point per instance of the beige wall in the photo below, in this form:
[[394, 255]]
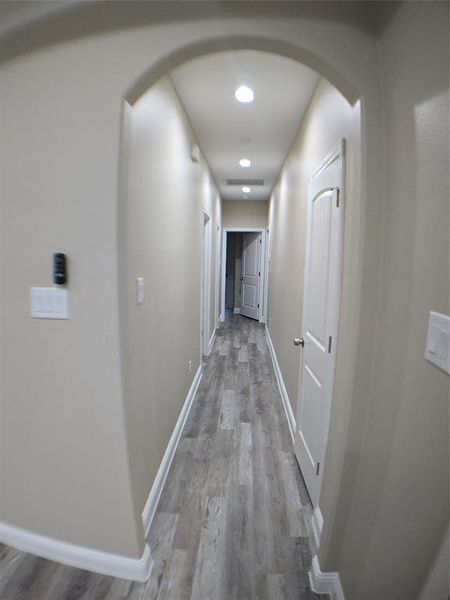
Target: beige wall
[[64, 456], [163, 244], [64, 436], [1, 290], [400, 505], [63, 91], [385, 492], [248, 213], [328, 119], [67, 435]]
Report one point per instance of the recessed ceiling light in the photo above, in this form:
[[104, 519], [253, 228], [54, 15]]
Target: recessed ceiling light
[[244, 162], [246, 190], [244, 94]]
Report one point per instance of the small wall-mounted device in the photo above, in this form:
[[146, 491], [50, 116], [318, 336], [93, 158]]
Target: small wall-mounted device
[[59, 268]]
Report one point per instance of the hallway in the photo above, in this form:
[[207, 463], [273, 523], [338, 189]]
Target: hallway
[[135, 138], [232, 520]]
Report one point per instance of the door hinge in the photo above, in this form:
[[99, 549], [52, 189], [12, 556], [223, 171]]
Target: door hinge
[[317, 468], [338, 197], [259, 274], [329, 344], [258, 305], [260, 240]]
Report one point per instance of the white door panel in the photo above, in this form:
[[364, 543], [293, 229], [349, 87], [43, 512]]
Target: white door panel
[[251, 259], [320, 319], [318, 274], [249, 295]]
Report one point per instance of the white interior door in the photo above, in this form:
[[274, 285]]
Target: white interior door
[[250, 276], [320, 320]]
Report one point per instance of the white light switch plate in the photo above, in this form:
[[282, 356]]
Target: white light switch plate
[[139, 290], [437, 349], [49, 303]]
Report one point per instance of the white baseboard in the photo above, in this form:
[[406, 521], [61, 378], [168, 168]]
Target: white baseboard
[[317, 525], [237, 311], [155, 493], [136, 569], [211, 341], [325, 583], [284, 395]]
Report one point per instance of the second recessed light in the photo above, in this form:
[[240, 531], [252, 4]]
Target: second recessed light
[[246, 190], [244, 162], [244, 94]]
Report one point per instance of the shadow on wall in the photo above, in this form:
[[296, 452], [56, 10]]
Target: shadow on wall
[[78, 20]]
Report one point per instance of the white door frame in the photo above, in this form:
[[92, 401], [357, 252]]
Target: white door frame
[[338, 153], [205, 283], [217, 312], [262, 283], [266, 273]]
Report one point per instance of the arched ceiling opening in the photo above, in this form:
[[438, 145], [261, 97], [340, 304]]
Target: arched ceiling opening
[[260, 131]]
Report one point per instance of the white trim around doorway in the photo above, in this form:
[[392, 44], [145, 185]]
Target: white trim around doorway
[[262, 289], [217, 319]]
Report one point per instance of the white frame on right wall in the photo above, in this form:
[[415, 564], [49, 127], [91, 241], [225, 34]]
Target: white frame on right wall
[[333, 327]]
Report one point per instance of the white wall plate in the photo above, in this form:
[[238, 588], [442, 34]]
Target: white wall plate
[[49, 303]]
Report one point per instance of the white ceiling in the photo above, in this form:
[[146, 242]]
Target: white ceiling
[[227, 130]]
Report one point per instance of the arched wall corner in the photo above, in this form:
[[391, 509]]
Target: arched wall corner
[[191, 51], [112, 67], [361, 90]]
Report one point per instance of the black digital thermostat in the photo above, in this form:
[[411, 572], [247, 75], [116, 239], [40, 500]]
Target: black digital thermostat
[[59, 268]]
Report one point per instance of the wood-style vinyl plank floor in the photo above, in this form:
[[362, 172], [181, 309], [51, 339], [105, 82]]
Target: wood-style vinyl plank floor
[[233, 519]]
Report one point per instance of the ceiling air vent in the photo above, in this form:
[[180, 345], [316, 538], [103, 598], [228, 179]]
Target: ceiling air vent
[[244, 181]]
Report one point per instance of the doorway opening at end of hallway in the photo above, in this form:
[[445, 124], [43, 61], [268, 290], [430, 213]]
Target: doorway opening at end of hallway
[[244, 273]]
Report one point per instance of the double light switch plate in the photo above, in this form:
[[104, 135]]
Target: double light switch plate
[[49, 303]]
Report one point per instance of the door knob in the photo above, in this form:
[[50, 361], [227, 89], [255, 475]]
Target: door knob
[[299, 342]]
